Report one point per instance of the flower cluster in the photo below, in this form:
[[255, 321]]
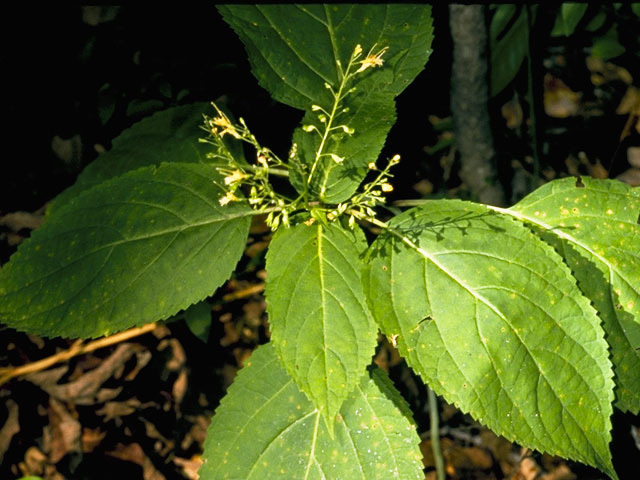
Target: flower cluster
[[324, 161], [254, 177]]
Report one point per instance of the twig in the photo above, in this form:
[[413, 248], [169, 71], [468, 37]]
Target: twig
[[435, 435], [247, 292], [77, 348]]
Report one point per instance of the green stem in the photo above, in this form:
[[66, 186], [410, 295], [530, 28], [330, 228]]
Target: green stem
[[533, 133], [435, 435], [272, 171], [329, 125]]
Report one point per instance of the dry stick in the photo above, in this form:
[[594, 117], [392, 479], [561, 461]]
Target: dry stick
[[247, 292], [77, 348]]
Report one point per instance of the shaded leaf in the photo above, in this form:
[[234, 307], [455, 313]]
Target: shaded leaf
[[132, 250], [198, 319], [607, 46], [320, 323], [266, 428], [568, 18], [491, 318], [295, 49], [508, 52], [593, 225], [167, 136]]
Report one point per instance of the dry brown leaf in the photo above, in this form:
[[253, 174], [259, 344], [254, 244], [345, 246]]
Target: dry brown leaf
[[116, 410], [597, 170], [559, 100], [34, 462], [134, 453], [86, 389], [423, 187], [63, 435], [633, 156], [231, 335], [630, 103], [143, 358], [179, 388], [68, 150], [528, 470], [16, 221], [161, 331], [10, 428], [255, 248], [631, 176], [561, 472], [178, 355], [604, 72], [198, 432], [512, 113], [500, 446], [91, 439], [189, 467]]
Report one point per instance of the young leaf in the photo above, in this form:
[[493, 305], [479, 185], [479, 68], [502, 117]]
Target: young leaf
[[594, 225], [320, 323], [167, 136], [266, 428], [295, 50], [135, 249], [491, 318]]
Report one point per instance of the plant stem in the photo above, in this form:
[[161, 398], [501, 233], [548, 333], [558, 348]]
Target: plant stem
[[435, 435], [338, 96], [533, 131]]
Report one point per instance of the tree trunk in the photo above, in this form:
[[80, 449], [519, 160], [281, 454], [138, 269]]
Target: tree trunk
[[469, 99]]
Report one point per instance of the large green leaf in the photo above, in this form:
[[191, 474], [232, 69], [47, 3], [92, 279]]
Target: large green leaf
[[491, 318], [167, 136], [320, 323], [594, 225], [135, 249], [266, 428], [295, 49]]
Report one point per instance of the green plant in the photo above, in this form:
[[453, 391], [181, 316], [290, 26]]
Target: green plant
[[528, 318]]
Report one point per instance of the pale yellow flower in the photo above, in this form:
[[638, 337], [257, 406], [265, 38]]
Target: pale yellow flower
[[229, 197], [262, 160], [235, 177], [227, 127], [387, 187], [372, 60]]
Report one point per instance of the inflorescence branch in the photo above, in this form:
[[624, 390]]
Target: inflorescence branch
[[254, 177]]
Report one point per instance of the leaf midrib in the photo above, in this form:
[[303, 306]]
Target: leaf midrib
[[177, 230], [497, 312]]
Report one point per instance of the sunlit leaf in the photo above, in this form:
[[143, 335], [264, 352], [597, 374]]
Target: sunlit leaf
[[320, 323], [266, 428], [135, 249], [491, 318]]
